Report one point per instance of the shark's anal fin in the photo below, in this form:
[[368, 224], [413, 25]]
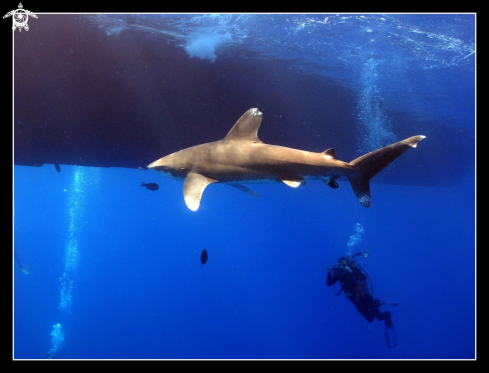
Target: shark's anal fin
[[193, 187], [293, 183], [244, 189]]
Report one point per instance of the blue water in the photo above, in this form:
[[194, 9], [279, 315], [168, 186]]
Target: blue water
[[114, 269]]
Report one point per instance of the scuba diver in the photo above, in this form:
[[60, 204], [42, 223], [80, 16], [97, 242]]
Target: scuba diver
[[353, 280]]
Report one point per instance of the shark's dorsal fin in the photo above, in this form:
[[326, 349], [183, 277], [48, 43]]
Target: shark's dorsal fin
[[244, 189], [329, 153], [246, 128], [193, 187]]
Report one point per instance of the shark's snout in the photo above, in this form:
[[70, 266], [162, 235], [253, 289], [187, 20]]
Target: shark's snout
[[160, 165], [164, 169]]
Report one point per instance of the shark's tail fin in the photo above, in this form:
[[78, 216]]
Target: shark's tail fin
[[372, 163]]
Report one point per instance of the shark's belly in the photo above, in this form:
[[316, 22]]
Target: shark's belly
[[265, 165], [235, 162]]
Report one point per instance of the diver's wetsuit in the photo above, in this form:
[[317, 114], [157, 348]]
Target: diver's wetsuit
[[354, 285]]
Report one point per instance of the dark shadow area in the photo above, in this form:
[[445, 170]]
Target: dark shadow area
[[85, 98]]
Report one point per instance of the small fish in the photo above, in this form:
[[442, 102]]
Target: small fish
[[56, 165], [150, 186], [203, 257]]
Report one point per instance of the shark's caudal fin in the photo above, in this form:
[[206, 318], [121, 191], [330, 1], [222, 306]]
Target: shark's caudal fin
[[372, 163]]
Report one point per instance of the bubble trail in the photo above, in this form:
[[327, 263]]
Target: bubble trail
[[355, 239]]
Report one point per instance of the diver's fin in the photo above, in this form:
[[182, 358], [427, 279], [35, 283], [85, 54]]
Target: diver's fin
[[193, 187], [244, 189], [390, 335], [389, 330]]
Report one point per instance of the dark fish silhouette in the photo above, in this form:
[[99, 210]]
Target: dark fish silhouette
[[56, 165], [150, 186], [203, 257]]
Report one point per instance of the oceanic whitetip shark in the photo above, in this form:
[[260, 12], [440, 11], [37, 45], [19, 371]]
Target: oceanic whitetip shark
[[241, 158]]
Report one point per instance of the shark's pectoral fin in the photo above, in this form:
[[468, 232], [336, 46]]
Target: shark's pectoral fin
[[193, 187], [245, 189], [293, 183]]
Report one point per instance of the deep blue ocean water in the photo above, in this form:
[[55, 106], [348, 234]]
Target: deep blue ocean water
[[118, 267]]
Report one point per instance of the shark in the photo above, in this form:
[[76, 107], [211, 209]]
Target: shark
[[242, 158]]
